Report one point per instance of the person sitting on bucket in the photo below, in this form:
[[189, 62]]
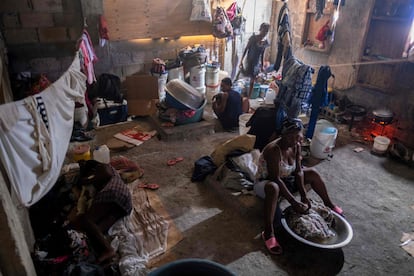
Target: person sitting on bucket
[[228, 105], [280, 172]]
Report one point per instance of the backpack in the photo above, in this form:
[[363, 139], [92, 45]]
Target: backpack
[[108, 86], [221, 24]]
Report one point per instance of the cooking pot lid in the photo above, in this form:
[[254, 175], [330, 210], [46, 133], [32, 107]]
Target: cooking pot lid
[[383, 112]]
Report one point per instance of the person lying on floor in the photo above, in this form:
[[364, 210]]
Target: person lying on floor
[[111, 201], [228, 105], [280, 172]]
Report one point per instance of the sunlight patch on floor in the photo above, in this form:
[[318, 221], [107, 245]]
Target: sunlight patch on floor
[[255, 263], [194, 216]]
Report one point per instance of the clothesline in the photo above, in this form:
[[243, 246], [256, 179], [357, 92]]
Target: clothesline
[[373, 62]]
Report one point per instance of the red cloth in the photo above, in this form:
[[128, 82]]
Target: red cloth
[[323, 33], [103, 28]]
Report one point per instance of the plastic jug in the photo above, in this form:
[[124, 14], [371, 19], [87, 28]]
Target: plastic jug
[[270, 96], [102, 154]]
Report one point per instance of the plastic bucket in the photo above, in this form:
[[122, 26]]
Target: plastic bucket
[[263, 90], [201, 89], [381, 144], [176, 73], [243, 119], [81, 152], [323, 142], [212, 76], [255, 92], [197, 76], [162, 81]]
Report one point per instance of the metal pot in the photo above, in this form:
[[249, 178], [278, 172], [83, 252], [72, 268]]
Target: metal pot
[[383, 116]]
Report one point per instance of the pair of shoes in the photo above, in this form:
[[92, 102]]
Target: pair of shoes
[[338, 210], [174, 161], [272, 245], [151, 186]]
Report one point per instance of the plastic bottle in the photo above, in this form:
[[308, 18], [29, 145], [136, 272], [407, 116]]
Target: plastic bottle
[[270, 96], [101, 154]]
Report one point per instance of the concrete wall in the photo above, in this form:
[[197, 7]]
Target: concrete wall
[[346, 50]]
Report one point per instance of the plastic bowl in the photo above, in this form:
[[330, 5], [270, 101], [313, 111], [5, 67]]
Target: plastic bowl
[[342, 229], [181, 95]]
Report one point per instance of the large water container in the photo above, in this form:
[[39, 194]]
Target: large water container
[[197, 76], [323, 140], [176, 73], [162, 81], [212, 76]]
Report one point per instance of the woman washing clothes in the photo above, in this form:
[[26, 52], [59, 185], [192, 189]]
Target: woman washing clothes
[[255, 49], [280, 172]]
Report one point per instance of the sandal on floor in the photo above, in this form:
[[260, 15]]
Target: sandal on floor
[[272, 245], [151, 186], [174, 161], [338, 210]]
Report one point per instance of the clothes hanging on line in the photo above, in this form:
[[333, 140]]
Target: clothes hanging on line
[[31, 152], [284, 41], [88, 56], [295, 87]]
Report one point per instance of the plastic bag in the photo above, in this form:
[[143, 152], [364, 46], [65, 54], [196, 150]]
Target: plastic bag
[[201, 11]]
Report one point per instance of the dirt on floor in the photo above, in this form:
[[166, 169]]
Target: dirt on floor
[[375, 192]]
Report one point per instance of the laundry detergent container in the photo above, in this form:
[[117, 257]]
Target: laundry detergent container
[[323, 140], [182, 96]]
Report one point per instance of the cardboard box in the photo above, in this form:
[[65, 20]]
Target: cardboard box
[[142, 94]]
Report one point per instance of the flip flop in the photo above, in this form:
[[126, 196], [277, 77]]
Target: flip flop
[[152, 186], [174, 161], [338, 210], [272, 245]]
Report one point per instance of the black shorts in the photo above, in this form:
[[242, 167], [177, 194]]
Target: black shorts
[[290, 183]]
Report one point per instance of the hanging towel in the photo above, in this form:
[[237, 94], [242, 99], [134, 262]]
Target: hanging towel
[[32, 153]]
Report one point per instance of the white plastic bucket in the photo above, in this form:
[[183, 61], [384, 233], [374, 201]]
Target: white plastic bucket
[[162, 81], [176, 73], [211, 92], [381, 144], [323, 142], [197, 76], [212, 76], [243, 119], [202, 90], [102, 154]]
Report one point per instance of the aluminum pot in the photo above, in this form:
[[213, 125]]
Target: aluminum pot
[[383, 116]]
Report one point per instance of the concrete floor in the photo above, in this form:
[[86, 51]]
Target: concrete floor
[[375, 192]]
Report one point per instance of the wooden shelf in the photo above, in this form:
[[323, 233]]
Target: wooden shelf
[[325, 11], [317, 49], [372, 87], [385, 40]]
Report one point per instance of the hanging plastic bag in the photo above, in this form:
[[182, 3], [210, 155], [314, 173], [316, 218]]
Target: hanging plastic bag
[[237, 20], [201, 11], [221, 24]]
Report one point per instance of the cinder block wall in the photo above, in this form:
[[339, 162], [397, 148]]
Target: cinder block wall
[[347, 49]]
